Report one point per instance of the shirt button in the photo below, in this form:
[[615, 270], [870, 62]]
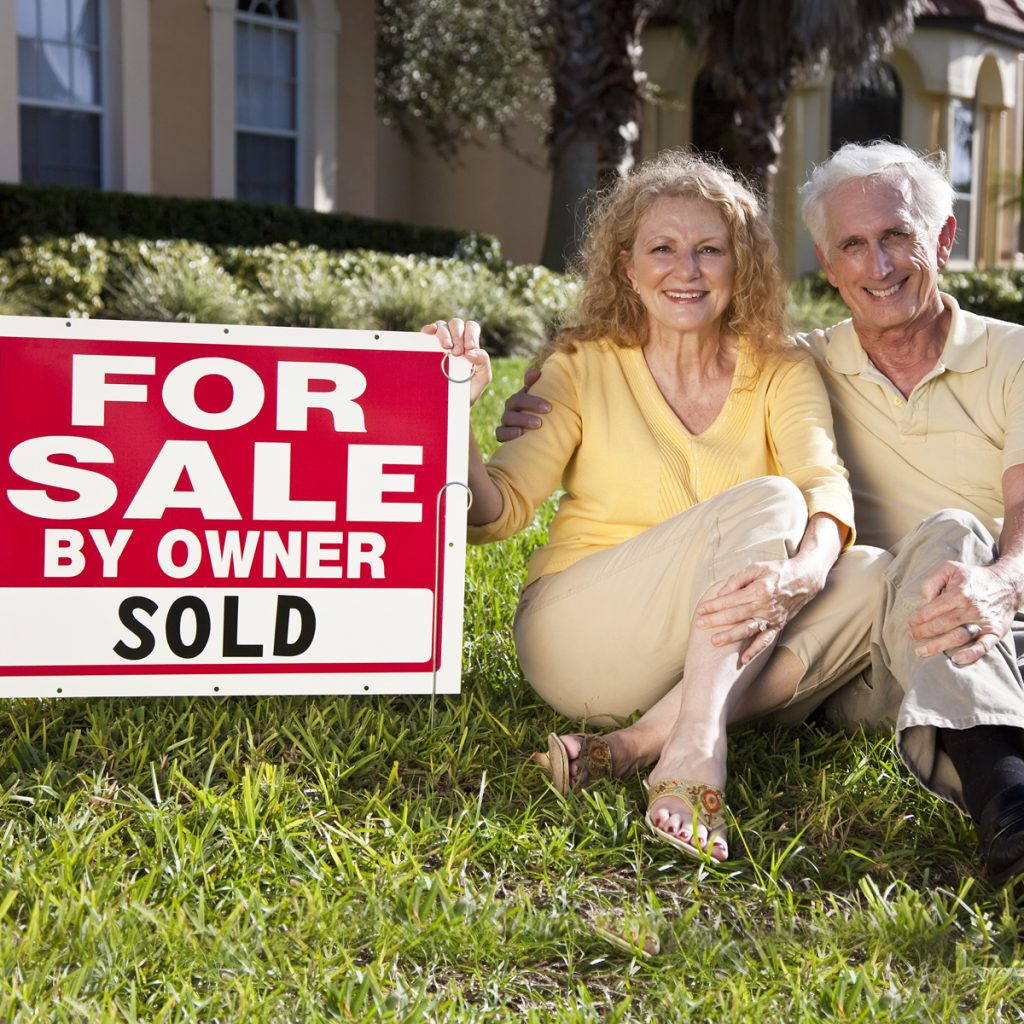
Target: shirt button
[[897, 401]]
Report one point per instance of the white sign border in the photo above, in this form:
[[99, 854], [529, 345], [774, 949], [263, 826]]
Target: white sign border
[[446, 679]]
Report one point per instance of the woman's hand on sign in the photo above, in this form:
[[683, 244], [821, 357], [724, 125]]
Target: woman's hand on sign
[[462, 338]]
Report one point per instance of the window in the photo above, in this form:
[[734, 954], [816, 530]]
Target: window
[[961, 169], [266, 101], [871, 112], [60, 94]]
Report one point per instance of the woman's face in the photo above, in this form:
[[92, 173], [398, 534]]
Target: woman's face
[[683, 266]]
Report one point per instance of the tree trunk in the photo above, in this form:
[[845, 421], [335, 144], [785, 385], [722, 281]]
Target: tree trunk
[[595, 111], [574, 172], [759, 121]]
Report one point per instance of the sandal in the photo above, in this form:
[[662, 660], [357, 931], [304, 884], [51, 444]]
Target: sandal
[[708, 806], [595, 758]]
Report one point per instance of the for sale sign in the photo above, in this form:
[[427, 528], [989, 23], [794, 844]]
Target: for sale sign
[[207, 509]]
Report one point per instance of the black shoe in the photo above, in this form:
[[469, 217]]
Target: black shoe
[[1002, 835]]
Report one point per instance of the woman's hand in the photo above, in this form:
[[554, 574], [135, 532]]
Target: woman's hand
[[754, 604], [462, 338], [764, 593]]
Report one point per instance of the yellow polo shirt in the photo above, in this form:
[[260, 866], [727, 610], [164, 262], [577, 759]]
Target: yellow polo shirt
[[947, 445], [626, 461]]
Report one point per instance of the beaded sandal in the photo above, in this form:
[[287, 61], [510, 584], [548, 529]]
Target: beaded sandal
[[595, 760], [707, 804]]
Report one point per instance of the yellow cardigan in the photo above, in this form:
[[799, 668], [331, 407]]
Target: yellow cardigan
[[627, 463]]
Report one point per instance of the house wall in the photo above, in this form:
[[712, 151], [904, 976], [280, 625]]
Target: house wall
[[935, 67], [485, 188], [180, 66], [170, 123]]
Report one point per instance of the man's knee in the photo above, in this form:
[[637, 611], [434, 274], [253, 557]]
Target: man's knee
[[951, 534]]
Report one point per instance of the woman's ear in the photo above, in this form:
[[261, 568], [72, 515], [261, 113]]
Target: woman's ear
[[626, 261]]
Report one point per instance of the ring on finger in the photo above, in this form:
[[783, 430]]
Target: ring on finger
[[973, 630], [759, 625]]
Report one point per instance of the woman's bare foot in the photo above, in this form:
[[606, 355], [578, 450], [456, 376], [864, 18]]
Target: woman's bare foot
[[699, 771], [575, 760]]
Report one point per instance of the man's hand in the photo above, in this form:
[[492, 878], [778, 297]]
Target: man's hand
[[523, 411], [958, 596]]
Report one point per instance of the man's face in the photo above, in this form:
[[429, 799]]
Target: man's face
[[880, 257]]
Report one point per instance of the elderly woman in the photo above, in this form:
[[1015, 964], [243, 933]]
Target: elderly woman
[[704, 502]]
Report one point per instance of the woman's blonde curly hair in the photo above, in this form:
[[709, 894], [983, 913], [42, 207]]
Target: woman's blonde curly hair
[[608, 307]]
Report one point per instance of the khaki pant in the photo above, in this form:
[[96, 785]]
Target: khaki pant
[[917, 695], [608, 636]]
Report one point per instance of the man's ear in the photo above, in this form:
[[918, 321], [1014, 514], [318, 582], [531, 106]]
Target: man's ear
[[945, 243], [826, 266]]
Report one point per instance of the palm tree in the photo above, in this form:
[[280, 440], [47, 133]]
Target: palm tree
[[757, 51], [594, 62]]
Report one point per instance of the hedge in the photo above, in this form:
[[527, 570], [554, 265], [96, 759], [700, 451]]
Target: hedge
[[287, 285], [48, 211]]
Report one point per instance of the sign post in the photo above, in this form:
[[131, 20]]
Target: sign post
[[199, 509]]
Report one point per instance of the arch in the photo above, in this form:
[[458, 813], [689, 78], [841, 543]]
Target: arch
[[990, 89]]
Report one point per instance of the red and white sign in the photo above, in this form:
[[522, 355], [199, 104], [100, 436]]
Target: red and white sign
[[237, 510]]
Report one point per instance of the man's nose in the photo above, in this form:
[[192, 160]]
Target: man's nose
[[880, 260]]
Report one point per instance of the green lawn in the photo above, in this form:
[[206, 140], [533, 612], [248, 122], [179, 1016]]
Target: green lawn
[[377, 859]]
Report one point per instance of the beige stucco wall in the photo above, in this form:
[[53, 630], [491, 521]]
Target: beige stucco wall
[[489, 189], [180, 74], [358, 179], [934, 66]]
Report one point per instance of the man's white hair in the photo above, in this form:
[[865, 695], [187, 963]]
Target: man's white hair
[[930, 191]]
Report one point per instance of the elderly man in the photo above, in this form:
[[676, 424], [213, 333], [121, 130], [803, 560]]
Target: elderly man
[[928, 402]]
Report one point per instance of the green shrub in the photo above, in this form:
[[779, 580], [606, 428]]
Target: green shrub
[[307, 286], [289, 297], [813, 303], [997, 293], [12, 302], [172, 281], [405, 292], [43, 211], [58, 276], [551, 295], [293, 286]]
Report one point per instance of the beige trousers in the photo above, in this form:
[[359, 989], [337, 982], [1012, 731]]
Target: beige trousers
[[921, 695], [608, 636]]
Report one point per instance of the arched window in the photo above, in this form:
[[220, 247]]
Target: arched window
[[712, 129], [869, 113], [60, 92], [266, 100]]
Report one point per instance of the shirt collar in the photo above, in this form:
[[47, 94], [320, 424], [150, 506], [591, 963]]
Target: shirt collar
[[965, 349]]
